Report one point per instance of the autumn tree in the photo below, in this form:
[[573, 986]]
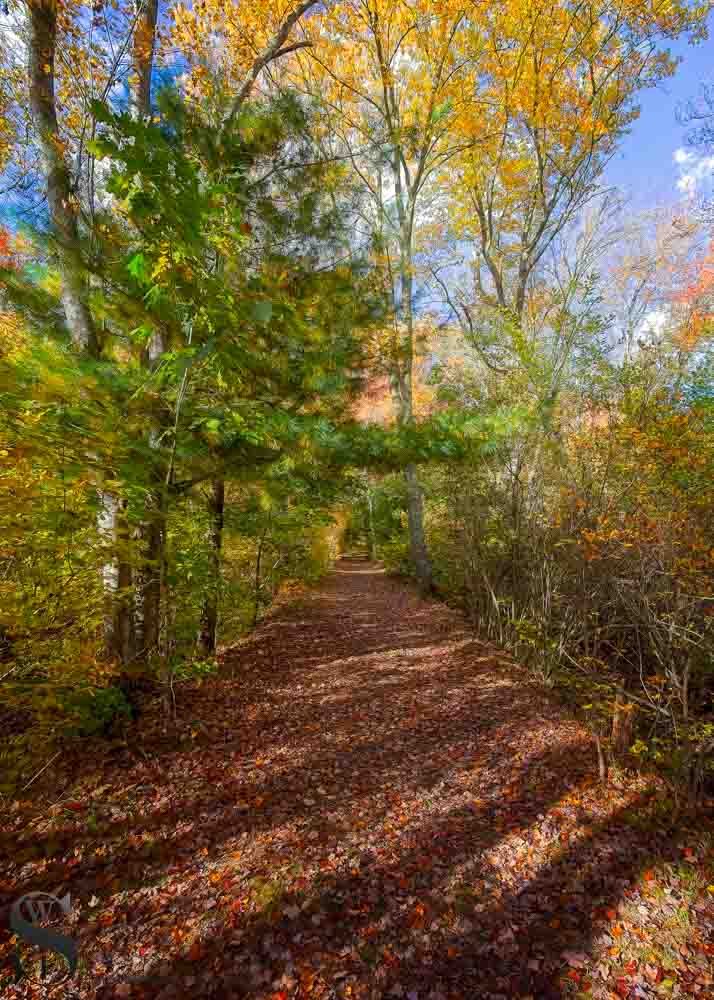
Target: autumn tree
[[394, 88], [558, 91], [62, 200]]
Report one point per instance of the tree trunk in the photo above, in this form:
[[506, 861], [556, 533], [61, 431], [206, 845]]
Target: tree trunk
[[622, 723], [63, 209], [209, 617], [417, 539], [153, 531], [601, 763], [123, 631], [403, 392], [107, 526], [143, 56], [257, 581], [60, 197], [370, 515], [153, 528], [117, 577]]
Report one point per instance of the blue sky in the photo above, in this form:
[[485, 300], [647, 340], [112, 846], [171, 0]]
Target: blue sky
[[644, 167]]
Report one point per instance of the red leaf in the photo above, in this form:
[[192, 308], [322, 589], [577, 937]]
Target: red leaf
[[622, 988]]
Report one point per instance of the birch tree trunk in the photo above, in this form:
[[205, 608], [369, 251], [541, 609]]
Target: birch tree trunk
[[150, 576], [63, 208], [404, 398], [42, 19], [123, 634]]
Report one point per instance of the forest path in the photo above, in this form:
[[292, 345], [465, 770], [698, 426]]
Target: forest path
[[370, 802]]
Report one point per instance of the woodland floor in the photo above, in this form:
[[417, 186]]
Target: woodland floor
[[368, 802]]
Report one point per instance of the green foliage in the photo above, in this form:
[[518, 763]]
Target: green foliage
[[90, 712], [230, 323]]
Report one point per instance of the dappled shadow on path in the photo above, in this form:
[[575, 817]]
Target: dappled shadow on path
[[376, 802], [434, 916]]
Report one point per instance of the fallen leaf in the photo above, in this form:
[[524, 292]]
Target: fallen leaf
[[576, 959]]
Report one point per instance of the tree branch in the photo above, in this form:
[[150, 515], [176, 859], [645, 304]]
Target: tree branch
[[273, 51]]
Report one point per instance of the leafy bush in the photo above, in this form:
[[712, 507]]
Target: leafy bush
[[585, 543], [92, 712]]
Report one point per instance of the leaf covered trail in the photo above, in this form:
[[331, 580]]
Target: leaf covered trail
[[368, 802]]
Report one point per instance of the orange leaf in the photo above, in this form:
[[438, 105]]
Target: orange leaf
[[307, 981]]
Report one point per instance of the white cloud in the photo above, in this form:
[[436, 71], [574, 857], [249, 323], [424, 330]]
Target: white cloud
[[694, 170]]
